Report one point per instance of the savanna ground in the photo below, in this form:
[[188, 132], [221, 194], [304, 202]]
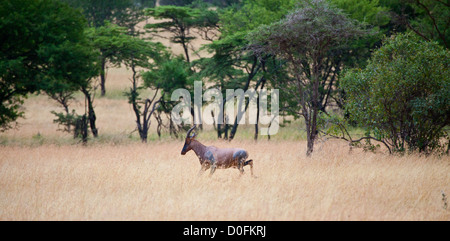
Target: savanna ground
[[46, 175]]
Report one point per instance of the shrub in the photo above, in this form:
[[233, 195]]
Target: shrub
[[403, 94]]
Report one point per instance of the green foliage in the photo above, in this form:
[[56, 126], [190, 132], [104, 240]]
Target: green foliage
[[322, 26], [109, 40], [428, 19], [252, 14], [230, 56], [181, 17], [138, 53], [176, 2], [310, 41], [236, 22], [368, 11], [169, 75], [180, 22], [116, 47], [432, 22], [219, 3], [42, 41], [73, 123], [402, 95], [125, 13]]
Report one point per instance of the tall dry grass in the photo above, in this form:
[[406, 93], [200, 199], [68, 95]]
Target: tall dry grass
[[154, 182]]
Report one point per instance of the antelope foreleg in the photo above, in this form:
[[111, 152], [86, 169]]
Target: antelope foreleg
[[213, 169], [241, 164]]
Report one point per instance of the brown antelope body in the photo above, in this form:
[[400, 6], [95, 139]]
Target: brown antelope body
[[213, 157]]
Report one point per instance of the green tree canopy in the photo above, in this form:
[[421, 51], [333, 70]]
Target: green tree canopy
[[39, 39], [429, 19], [402, 95], [309, 40], [125, 13], [180, 22]]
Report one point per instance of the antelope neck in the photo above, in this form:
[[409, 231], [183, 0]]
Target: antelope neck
[[199, 149]]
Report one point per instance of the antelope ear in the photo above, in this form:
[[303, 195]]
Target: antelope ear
[[193, 135]]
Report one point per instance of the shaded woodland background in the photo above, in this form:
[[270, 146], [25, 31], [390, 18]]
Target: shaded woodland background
[[326, 74]]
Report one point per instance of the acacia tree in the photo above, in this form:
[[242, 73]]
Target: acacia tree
[[180, 22], [166, 76], [108, 40], [305, 40], [104, 17], [136, 54]]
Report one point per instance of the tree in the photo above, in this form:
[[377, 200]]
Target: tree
[[402, 96], [429, 19], [36, 35], [125, 13], [180, 23], [105, 17], [108, 40], [166, 76], [305, 40], [232, 66], [356, 52], [77, 68], [138, 53]]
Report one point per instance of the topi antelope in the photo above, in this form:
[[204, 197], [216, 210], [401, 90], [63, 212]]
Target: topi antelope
[[213, 157]]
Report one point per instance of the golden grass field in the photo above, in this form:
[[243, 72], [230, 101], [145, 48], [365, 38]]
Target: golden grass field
[[46, 175], [154, 182]]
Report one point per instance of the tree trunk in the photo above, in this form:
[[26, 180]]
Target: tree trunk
[[310, 136], [103, 78], [91, 113], [263, 82], [255, 69], [143, 133], [221, 114], [310, 147], [80, 129], [226, 131], [311, 120]]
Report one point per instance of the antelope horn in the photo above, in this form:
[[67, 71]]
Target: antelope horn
[[190, 130]]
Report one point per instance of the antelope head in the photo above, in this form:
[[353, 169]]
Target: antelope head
[[189, 138]]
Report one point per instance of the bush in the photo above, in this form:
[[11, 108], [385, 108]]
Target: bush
[[402, 95]]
